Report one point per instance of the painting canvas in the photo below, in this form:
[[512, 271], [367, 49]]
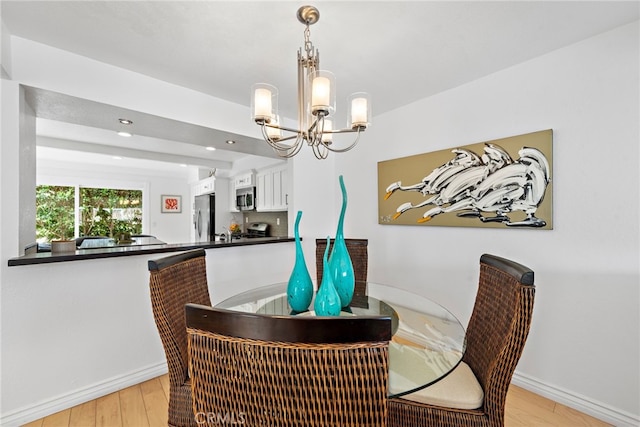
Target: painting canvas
[[504, 183], [171, 204]]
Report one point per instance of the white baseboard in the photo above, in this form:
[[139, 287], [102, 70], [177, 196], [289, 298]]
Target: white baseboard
[[43, 408], [580, 403]]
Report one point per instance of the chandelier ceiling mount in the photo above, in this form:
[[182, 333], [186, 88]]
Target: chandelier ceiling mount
[[308, 15]]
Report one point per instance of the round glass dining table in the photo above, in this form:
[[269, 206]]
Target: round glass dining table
[[427, 341]]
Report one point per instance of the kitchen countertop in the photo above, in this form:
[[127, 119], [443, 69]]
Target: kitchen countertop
[[118, 251]]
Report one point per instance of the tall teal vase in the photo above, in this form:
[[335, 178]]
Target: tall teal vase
[[300, 287], [340, 265], [327, 301]]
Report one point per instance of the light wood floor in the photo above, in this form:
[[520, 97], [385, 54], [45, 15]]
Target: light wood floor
[[145, 404]]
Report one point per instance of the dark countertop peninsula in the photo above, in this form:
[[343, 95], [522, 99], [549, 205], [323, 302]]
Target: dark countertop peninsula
[[118, 251]]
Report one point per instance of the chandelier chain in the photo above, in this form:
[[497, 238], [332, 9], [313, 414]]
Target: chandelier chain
[[308, 46]]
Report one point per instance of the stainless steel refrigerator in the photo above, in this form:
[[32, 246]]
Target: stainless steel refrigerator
[[204, 217]]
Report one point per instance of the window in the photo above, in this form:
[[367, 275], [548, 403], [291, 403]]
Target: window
[[55, 207], [60, 211], [108, 212]]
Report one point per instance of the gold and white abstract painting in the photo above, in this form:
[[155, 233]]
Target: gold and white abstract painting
[[504, 183]]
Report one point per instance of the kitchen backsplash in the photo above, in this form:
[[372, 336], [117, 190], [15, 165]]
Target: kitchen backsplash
[[271, 218]]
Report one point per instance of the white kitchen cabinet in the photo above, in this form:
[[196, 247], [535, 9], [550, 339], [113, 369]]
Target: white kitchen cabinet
[[263, 202], [280, 190], [272, 189], [244, 181], [205, 186]]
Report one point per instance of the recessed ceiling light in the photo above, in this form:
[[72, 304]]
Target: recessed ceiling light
[[116, 158], [211, 148], [182, 165], [126, 121], [230, 141], [125, 134]]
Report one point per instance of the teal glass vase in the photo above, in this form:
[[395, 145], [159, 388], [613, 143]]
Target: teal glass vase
[[340, 265], [327, 302], [300, 287]]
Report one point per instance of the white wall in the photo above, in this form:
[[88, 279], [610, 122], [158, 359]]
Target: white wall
[[10, 170], [5, 51], [74, 331], [313, 184], [584, 341], [27, 185]]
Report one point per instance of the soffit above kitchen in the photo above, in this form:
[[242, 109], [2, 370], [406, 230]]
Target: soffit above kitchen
[[157, 138]]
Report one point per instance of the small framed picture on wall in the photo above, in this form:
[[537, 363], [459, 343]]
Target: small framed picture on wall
[[171, 204]]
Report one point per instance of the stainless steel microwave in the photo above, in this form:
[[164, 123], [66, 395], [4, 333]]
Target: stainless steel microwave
[[246, 199]]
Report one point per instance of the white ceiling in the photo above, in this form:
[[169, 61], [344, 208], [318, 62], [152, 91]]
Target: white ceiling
[[397, 51]]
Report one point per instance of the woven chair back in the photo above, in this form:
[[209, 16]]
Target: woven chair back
[[175, 281], [358, 252], [297, 379], [498, 328]]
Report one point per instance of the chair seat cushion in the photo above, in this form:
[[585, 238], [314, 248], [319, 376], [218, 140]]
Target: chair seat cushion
[[460, 389]]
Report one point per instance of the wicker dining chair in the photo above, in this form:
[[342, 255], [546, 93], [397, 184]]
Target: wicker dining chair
[[288, 371], [175, 281], [474, 394], [357, 249]]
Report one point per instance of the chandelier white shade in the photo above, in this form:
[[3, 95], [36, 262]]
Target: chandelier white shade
[[316, 105]]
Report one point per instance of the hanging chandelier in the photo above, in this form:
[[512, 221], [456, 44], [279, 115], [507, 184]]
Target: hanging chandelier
[[316, 104]]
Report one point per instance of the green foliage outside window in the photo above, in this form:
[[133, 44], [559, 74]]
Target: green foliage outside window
[[54, 212], [103, 212], [109, 212]]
